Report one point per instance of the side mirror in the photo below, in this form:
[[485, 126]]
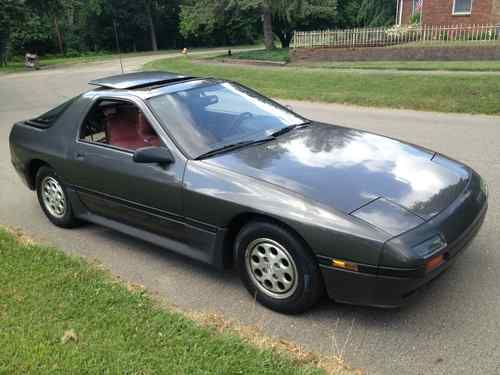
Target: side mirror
[[161, 155]]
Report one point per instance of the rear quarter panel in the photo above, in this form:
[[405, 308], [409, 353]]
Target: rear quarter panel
[[50, 145]]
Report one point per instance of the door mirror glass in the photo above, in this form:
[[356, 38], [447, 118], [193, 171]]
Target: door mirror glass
[[161, 155]]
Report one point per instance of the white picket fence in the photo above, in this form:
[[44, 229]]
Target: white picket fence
[[385, 36]]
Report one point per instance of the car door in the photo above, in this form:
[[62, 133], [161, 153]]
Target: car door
[[111, 184]]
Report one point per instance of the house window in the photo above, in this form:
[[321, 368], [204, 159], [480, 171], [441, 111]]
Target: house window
[[462, 7], [416, 6]]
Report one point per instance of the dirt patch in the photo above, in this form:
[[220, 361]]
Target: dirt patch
[[20, 236], [332, 365]]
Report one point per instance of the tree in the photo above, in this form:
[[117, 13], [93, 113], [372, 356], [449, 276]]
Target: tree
[[11, 13], [216, 22], [52, 9], [290, 15], [283, 17], [366, 13], [204, 18], [33, 35], [267, 25], [77, 26], [148, 4]]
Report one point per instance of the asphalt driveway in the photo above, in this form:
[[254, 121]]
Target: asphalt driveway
[[453, 327]]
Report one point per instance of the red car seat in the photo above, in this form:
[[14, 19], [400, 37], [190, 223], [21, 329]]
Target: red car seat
[[128, 128], [146, 131]]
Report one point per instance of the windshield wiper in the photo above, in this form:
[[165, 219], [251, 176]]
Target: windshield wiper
[[233, 146], [289, 129]]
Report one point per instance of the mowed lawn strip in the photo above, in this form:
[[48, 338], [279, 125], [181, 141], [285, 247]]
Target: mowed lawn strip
[[455, 66], [52, 60], [46, 294], [443, 93]]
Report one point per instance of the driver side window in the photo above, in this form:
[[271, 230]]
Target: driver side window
[[119, 124]]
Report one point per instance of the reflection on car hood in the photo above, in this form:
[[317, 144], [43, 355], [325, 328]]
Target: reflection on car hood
[[346, 168]]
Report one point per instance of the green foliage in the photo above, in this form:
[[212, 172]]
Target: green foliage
[[33, 35], [216, 22], [78, 26], [366, 13], [415, 18], [11, 14], [290, 15], [239, 21], [86, 25]]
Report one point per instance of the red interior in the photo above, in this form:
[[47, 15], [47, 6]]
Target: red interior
[[128, 128]]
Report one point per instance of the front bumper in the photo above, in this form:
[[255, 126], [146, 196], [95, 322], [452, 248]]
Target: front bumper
[[392, 287]]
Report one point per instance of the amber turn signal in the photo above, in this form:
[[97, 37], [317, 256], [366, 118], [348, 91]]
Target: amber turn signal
[[434, 263], [345, 265]]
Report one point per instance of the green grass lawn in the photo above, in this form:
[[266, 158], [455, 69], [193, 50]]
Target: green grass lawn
[[444, 93], [17, 64], [448, 43], [59, 314], [478, 66], [277, 54]]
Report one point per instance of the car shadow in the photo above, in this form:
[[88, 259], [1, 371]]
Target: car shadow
[[230, 276], [211, 290]]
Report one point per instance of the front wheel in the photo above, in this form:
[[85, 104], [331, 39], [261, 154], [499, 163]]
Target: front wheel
[[277, 268], [53, 198]]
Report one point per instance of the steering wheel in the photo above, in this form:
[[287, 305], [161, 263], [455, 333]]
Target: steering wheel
[[240, 119]]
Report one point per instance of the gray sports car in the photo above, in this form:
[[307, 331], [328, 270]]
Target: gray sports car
[[213, 170]]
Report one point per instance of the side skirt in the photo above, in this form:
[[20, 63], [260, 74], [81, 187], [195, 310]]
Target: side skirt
[[213, 256]]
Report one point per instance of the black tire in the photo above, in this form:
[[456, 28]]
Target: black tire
[[309, 283], [66, 220]]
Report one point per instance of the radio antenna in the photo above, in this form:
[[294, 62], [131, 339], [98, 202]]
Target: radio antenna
[[118, 45]]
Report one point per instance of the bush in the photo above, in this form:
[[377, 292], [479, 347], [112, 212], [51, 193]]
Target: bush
[[415, 18], [72, 53]]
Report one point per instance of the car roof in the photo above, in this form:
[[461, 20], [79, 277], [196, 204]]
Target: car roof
[[137, 80]]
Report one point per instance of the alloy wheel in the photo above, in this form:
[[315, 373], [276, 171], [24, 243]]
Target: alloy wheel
[[53, 197], [271, 268]]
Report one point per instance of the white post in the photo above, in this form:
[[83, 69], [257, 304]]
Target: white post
[[400, 12]]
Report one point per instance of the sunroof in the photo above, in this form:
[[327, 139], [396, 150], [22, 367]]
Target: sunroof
[[139, 79]]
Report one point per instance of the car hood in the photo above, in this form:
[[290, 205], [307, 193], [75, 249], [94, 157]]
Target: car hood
[[347, 169]]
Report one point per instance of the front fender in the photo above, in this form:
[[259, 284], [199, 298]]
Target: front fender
[[215, 196]]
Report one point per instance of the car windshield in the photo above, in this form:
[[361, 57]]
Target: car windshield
[[214, 116]]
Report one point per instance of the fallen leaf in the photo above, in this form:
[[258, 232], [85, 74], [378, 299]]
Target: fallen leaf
[[132, 287], [68, 336]]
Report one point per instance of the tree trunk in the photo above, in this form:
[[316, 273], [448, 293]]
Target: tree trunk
[[58, 35], [285, 38], [117, 39], [154, 44], [267, 24], [4, 37]]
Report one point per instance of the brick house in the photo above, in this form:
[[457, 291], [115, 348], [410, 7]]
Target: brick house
[[449, 12]]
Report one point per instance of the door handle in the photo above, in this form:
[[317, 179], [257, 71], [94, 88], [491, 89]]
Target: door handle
[[80, 156]]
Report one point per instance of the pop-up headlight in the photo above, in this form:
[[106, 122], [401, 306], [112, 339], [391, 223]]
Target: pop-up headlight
[[430, 246]]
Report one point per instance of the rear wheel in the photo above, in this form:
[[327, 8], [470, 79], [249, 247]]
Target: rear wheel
[[277, 268], [53, 198]]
